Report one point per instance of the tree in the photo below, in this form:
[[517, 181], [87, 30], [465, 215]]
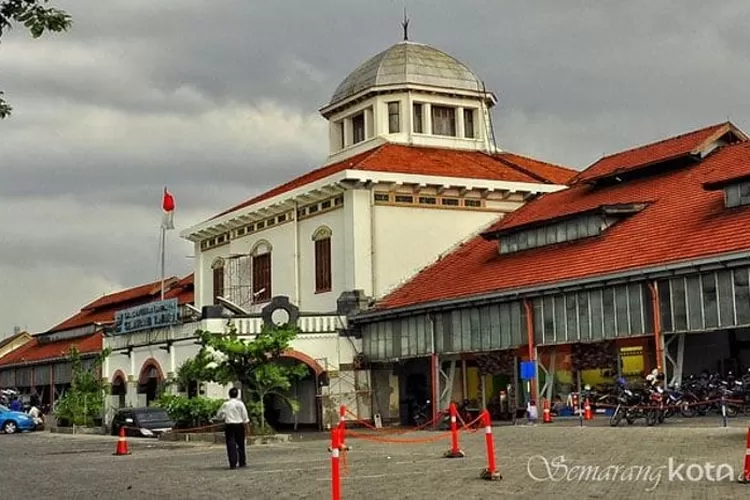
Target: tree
[[37, 18], [195, 370], [256, 364], [84, 401]]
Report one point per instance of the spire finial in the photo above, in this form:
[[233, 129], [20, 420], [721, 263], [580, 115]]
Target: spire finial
[[405, 25]]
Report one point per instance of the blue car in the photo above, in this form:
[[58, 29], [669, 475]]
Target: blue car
[[15, 421]]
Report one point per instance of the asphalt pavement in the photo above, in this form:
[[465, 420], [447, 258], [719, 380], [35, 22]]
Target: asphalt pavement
[[543, 461]]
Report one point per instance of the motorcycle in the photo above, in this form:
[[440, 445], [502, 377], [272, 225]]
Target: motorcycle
[[655, 412], [630, 406], [420, 414]]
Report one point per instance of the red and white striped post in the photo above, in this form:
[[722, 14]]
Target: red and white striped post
[[490, 473], [335, 464], [745, 478], [455, 451], [342, 424]]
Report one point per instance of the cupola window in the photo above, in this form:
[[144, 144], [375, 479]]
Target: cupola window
[[358, 128], [469, 123], [394, 125], [443, 121], [417, 113]]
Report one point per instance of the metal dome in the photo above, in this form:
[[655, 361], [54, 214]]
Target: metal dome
[[408, 62]]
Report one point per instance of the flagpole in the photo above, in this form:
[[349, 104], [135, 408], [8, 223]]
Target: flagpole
[[162, 246], [163, 253]]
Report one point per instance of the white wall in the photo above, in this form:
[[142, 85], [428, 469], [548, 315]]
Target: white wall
[[281, 240], [309, 300], [406, 239]]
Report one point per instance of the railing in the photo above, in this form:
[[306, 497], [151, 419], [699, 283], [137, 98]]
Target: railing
[[308, 324], [245, 326], [158, 336]]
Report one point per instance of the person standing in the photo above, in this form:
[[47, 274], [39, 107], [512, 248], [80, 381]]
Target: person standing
[[234, 415]]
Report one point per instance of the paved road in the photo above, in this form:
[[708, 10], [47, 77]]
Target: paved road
[[58, 466]]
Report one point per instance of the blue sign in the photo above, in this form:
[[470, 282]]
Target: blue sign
[[152, 315], [528, 370]]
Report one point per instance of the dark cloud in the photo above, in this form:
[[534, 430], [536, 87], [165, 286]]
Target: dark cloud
[[218, 101]]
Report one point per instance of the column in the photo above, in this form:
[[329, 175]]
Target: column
[[369, 124], [131, 396], [348, 132], [460, 122], [204, 290], [358, 240], [427, 119]]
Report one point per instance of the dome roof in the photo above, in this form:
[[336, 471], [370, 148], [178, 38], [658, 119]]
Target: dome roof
[[408, 62]]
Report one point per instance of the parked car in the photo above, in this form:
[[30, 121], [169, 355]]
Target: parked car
[[15, 421], [142, 422]]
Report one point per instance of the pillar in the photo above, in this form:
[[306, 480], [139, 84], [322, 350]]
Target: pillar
[[358, 241]]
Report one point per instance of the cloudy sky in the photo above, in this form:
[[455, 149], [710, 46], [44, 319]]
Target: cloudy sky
[[218, 100]]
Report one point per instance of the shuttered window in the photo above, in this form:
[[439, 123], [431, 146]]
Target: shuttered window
[[323, 265], [262, 277]]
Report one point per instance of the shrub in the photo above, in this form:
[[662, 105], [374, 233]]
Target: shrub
[[189, 413]]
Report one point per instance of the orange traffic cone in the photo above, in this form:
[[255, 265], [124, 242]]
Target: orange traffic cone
[[546, 414], [587, 415], [745, 479], [122, 444]]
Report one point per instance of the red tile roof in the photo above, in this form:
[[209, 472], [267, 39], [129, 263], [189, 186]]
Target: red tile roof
[[545, 172], [681, 222], [103, 310], [722, 174], [421, 160], [657, 152], [34, 350]]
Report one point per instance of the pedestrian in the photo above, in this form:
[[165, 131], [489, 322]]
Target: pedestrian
[[234, 415]]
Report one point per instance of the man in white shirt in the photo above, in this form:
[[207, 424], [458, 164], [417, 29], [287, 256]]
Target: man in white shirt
[[234, 415]]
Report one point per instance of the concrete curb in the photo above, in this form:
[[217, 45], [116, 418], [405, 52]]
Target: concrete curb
[[218, 438], [95, 431]]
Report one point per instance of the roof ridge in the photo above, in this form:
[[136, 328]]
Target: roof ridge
[[556, 165], [148, 285], [526, 171], [662, 141], [370, 155]]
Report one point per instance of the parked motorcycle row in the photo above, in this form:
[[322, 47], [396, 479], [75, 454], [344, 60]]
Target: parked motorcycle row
[[694, 396]]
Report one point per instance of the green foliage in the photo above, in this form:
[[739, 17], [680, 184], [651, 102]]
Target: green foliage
[[83, 403], [35, 17], [195, 370], [189, 413], [256, 364]]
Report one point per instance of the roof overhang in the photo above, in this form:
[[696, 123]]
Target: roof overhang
[[283, 202], [696, 154], [677, 268], [350, 179], [326, 111]]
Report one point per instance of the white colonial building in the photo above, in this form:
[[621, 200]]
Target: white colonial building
[[413, 171]]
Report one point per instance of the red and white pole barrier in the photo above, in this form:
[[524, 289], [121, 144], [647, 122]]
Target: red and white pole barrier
[[342, 424], [455, 451], [745, 478], [335, 464], [490, 473]]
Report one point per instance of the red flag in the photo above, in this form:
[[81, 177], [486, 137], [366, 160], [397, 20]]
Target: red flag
[[167, 206]]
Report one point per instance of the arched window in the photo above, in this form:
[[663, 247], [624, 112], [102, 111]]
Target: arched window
[[322, 241], [261, 255], [218, 278]]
